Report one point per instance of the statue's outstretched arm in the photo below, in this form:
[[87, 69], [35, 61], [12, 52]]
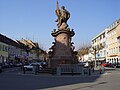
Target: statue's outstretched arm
[[57, 7], [57, 10]]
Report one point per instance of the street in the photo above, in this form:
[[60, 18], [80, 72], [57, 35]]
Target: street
[[14, 79]]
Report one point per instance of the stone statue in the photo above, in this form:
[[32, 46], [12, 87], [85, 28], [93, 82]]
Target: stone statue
[[63, 16]]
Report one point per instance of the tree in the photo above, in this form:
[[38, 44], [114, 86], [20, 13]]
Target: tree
[[95, 50], [83, 50]]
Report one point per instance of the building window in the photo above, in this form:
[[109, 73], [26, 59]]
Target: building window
[[118, 39], [6, 48], [104, 35], [114, 51], [100, 37], [103, 44], [92, 42], [3, 48], [109, 51], [95, 40], [104, 52], [101, 53], [119, 48], [0, 47]]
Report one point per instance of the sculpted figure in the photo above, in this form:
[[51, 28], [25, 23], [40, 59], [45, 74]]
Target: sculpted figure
[[63, 16]]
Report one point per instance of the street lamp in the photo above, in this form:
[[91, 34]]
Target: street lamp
[[95, 50]]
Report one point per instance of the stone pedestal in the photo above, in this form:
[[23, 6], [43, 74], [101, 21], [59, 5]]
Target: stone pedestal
[[62, 50]]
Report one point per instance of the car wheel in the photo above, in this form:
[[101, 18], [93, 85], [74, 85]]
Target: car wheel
[[25, 68]]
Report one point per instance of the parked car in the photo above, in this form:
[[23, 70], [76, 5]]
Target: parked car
[[18, 64], [108, 65], [105, 64], [118, 66], [44, 64], [85, 64], [31, 66], [5, 65], [11, 64]]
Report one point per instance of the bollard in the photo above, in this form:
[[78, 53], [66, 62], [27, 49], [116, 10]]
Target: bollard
[[93, 69], [24, 71], [100, 71], [58, 70], [53, 71], [72, 72], [103, 69], [35, 70], [89, 71]]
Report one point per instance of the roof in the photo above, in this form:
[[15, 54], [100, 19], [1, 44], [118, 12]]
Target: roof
[[99, 34], [7, 40]]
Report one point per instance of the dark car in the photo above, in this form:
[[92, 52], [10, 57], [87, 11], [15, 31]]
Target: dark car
[[44, 64], [118, 66], [5, 65]]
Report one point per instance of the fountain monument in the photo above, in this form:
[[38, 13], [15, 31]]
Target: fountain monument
[[62, 50]]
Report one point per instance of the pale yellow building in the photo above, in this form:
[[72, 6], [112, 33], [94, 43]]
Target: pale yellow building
[[3, 52], [113, 42], [109, 39], [33, 51]]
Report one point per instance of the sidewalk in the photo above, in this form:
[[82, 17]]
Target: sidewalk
[[105, 71]]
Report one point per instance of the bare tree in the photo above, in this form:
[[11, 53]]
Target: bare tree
[[83, 50], [95, 50]]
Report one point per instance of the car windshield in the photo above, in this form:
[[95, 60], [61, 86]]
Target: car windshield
[[32, 64]]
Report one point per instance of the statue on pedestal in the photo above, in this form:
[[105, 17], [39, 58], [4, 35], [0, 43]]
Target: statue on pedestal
[[63, 16], [62, 50]]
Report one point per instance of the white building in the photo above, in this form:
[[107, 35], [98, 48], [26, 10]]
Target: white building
[[100, 45]]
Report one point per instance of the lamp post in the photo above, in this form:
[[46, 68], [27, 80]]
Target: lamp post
[[95, 58], [95, 50]]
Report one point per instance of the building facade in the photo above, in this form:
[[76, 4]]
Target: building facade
[[33, 51], [107, 44], [113, 42], [99, 46], [19, 50], [9, 49], [3, 52]]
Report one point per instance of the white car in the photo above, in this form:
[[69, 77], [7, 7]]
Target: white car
[[31, 66]]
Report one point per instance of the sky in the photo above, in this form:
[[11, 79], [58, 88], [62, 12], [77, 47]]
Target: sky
[[35, 19]]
